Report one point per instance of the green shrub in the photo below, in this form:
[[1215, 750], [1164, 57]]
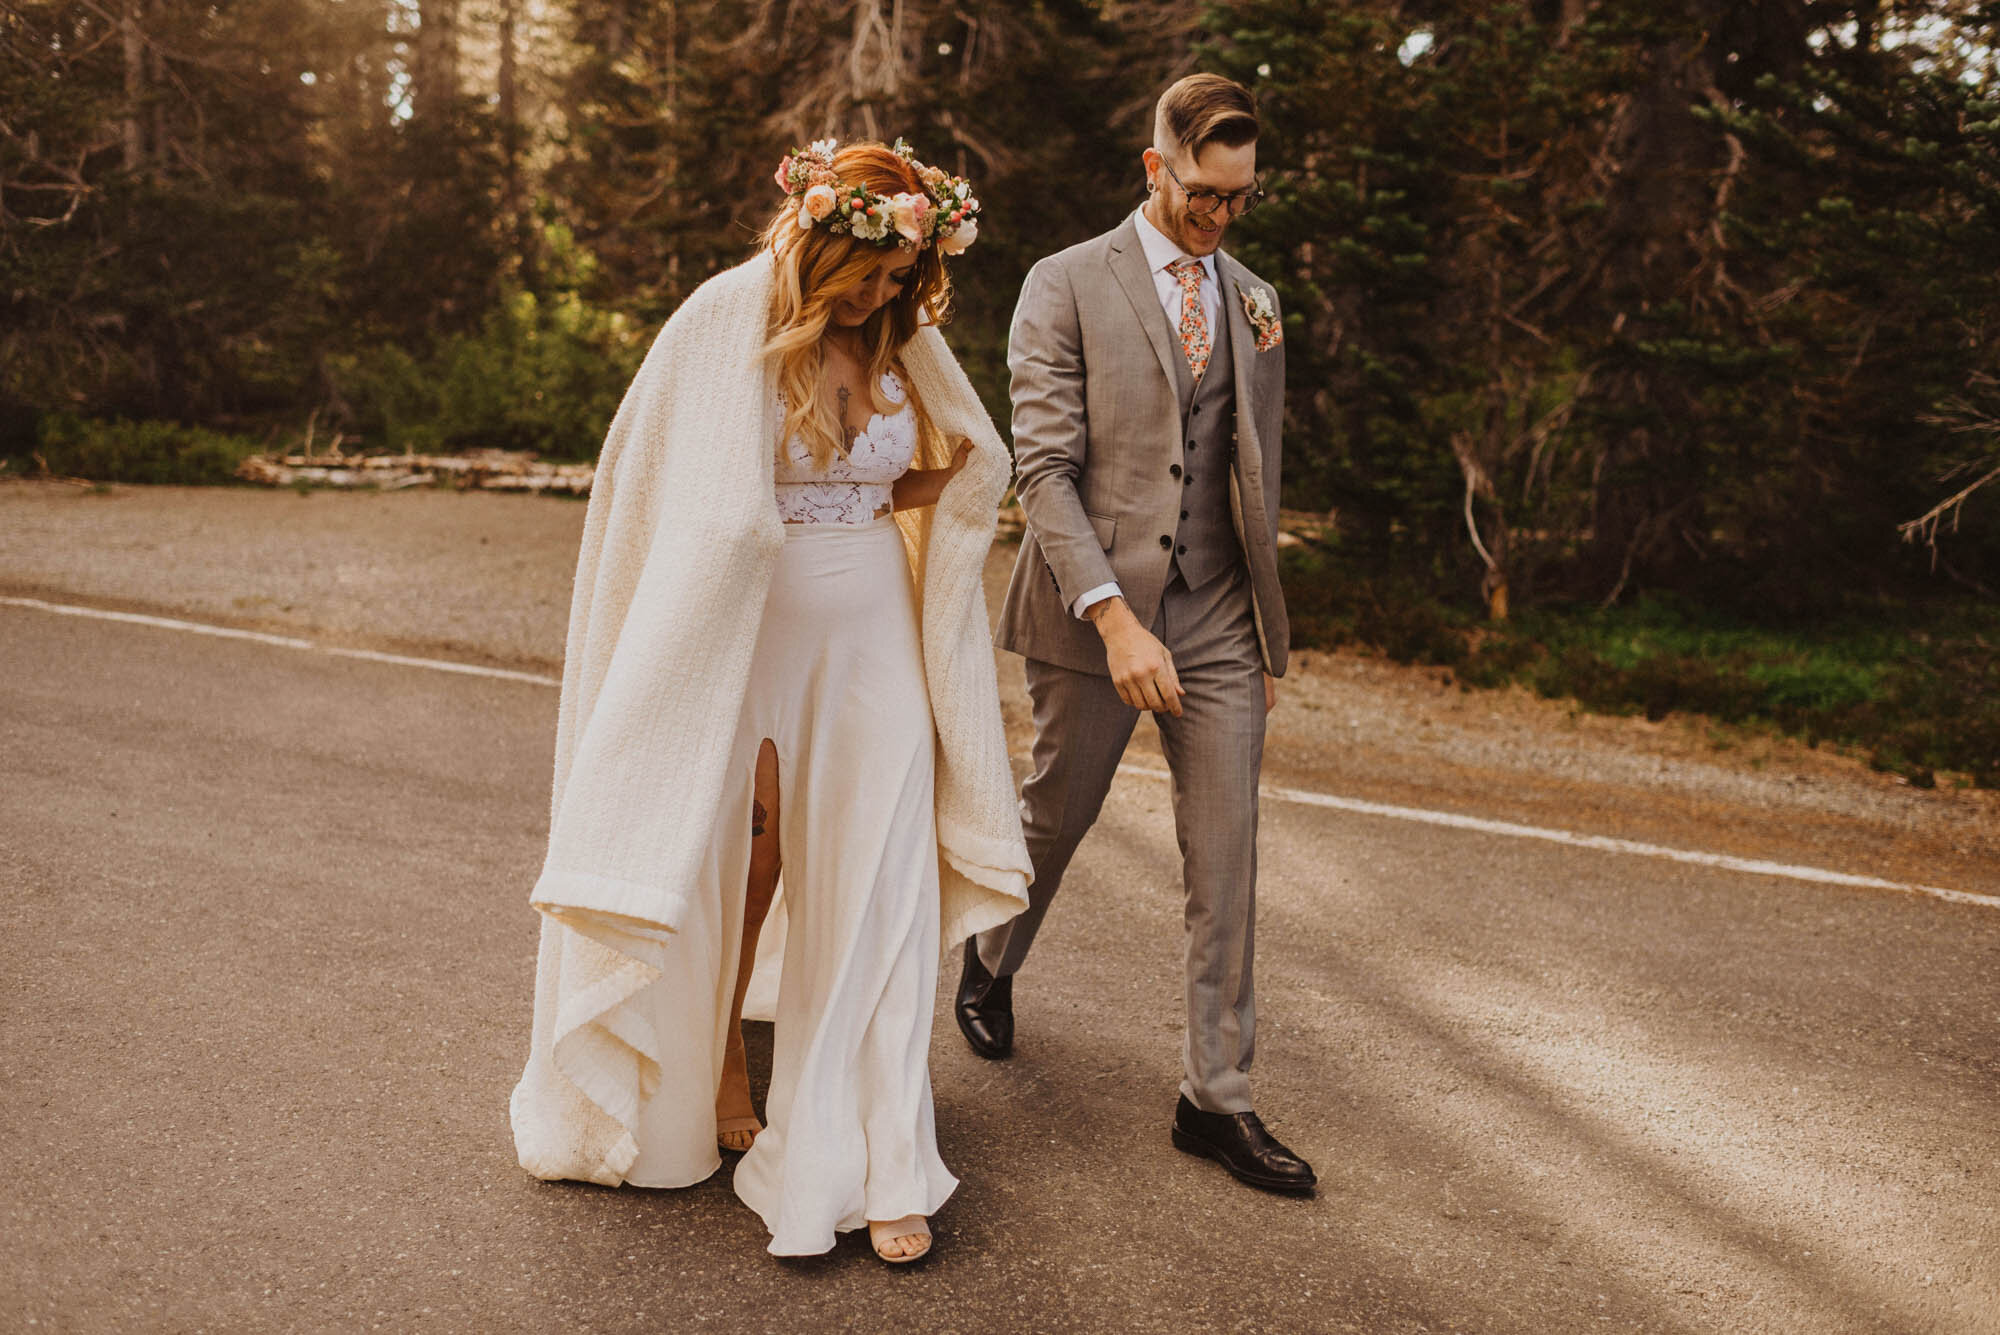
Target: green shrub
[[540, 373], [1330, 603], [123, 451], [1918, 688]]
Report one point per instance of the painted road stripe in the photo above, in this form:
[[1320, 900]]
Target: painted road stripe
[[284, 641], [1451, 820], [1297, 796]]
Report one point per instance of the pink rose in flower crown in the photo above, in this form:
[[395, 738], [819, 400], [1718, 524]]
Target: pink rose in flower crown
[[819, 202], [784, 175], [909, 213]]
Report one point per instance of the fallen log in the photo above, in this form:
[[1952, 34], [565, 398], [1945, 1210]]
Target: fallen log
[[487, 470]]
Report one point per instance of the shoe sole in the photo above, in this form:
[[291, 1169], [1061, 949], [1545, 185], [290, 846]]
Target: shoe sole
[[902, 1260], [1201, 1149]]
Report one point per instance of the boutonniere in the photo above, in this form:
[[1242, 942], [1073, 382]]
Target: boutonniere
[[1262, 309]]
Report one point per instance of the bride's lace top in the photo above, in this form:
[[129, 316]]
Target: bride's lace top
[[853, 487]]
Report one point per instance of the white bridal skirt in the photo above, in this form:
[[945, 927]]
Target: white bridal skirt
[[847, 962]]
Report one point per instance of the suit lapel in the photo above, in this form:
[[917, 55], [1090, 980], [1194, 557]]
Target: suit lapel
[[1243, 360], [1128, 265]]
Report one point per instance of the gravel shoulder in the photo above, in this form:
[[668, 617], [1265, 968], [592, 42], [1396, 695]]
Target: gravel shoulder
[[485, 577]]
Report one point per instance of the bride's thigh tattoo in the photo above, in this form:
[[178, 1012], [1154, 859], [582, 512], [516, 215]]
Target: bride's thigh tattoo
[[758, 817]]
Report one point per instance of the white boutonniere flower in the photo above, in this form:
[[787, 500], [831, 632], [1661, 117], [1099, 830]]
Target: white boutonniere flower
[[1262, 309]]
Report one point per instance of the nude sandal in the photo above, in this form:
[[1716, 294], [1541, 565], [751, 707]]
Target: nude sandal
[[884, 1231], [736, 1128], [728, 1129]]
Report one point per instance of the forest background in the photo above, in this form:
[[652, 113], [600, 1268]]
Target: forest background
[[1647, 351]]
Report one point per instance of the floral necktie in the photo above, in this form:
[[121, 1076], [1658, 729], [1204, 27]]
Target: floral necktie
[[1194, 321]]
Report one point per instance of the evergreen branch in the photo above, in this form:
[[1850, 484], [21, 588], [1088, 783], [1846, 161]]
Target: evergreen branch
[[1925, 526], [1960, 416]]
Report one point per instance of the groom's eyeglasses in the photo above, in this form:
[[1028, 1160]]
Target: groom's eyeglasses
[[1201, 203]]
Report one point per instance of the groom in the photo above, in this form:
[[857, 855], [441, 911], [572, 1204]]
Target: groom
[[1148, 387]]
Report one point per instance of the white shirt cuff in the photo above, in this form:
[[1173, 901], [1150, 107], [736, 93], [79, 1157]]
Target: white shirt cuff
[[1085, 600]]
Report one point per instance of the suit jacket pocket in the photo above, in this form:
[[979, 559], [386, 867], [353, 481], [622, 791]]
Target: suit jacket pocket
[[1106, 527]]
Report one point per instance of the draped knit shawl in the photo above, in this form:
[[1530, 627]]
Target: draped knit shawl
[[679, 545]]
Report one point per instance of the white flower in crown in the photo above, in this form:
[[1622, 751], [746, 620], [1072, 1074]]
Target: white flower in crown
[[867, 228], [955, 242]]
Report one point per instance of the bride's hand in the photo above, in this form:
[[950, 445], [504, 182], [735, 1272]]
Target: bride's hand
[[958, 459]]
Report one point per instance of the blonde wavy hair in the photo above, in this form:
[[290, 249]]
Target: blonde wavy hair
[[815, 269]]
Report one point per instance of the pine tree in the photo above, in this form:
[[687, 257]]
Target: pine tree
[[1877, 215]]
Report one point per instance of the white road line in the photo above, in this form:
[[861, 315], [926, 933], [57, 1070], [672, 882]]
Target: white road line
[[1299, 796], [1452, 820], [444, 665], [283, 641]]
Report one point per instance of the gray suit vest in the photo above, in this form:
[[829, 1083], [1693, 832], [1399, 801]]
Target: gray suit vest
[[1205, 542]]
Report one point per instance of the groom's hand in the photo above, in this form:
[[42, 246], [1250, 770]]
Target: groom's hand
[[1141, 668]]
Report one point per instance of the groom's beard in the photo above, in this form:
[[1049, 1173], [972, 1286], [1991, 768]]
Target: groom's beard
[[1184, 229]]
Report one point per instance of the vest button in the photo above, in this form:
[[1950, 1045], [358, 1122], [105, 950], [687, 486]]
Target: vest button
[[1166, 542], [1188, 481], [1181, 550], [1183, 514], [1173, 470], [1190, 444]]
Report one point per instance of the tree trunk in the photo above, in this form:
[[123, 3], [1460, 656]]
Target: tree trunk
[[671, 21], [510, 106], [1660, 206], [875, 60], [1867, 18], [617, 28], [135, 85], [513, 204], [156, 66], [435, 86]]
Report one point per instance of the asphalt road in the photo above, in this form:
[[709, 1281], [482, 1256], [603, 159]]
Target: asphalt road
[[267, 964]]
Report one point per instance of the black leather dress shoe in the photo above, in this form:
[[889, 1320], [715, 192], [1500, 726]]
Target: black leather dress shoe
[[985, 1007], [1239, 1142]]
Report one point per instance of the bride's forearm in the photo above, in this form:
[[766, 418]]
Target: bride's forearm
[[918, 487], [922, 486]]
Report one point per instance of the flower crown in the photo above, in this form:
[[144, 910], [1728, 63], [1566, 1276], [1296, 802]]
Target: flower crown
[[945, 212]]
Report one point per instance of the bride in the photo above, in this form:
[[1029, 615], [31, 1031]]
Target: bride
[[779, 749]]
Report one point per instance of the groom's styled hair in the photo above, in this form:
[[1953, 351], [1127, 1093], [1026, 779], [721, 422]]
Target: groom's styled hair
[[1204, 109]]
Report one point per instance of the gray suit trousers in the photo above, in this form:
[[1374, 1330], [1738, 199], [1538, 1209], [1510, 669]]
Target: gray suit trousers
[[1214, 751]]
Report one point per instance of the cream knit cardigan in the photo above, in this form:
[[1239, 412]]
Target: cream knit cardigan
[[679, 545]]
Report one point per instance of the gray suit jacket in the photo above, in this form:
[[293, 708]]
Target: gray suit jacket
[[1097, 448]]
